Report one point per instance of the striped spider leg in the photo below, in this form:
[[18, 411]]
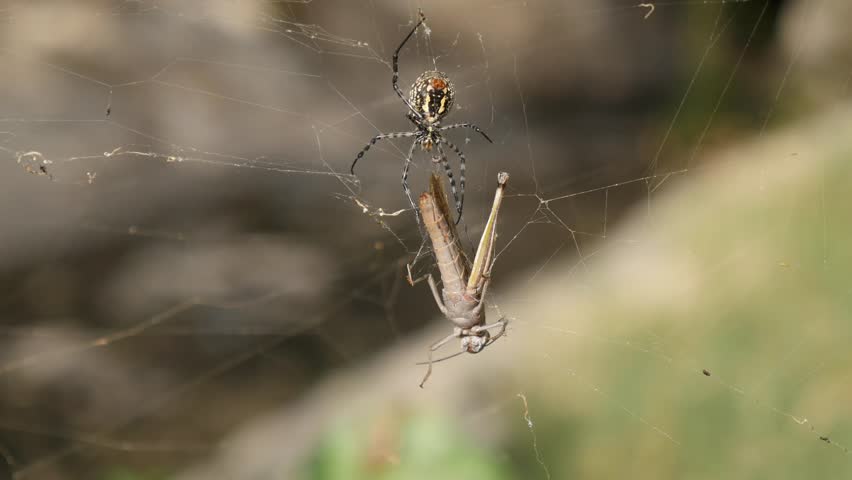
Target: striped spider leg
[[462, 297]]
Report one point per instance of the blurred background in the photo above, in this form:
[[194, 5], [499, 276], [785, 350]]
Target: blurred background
[[195, 287]]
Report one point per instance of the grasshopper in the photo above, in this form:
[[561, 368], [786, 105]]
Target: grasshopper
[[462, 298]]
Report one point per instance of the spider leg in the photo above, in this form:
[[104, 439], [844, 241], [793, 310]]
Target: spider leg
[[467, 125], [460, 203], [449, 172], [396, 66], [435, 346], [373, 142], [405, 181], [414, 119]]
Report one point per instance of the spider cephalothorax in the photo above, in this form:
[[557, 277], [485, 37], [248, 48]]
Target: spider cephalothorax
[[432, 96], [429, 101]]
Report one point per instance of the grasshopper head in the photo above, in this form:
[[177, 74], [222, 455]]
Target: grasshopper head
[[474, 343]]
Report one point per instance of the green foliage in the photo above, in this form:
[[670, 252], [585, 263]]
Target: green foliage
[[410, 448], [748, 279]]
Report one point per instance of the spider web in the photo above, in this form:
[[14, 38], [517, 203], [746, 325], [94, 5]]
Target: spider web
[[177, 192]]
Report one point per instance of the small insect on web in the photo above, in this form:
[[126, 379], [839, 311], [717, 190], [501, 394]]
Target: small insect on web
[[429, 101], [462, 298]]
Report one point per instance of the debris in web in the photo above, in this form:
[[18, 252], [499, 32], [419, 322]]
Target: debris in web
[[34, 162], [650, 7]]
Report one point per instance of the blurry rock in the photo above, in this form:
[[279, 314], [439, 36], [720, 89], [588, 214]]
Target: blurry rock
[[236, 268]]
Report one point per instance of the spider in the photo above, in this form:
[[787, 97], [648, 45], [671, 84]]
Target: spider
[[428, 102]]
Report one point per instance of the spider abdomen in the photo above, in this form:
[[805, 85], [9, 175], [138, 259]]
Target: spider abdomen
[[432, 95]]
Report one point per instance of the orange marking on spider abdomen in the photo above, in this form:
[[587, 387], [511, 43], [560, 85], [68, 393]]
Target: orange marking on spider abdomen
[[438, 83]]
